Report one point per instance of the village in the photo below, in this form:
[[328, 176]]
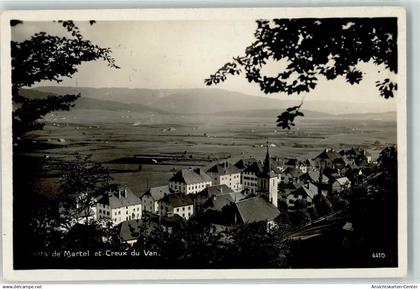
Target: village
[[227, 194]]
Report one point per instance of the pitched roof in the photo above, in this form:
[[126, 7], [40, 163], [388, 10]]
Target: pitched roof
[[216, 190], [190, 176], [290, 162], [343, 181], [313, 176], [256, 209], [217, 203], [158, 193], [244, 163], [178, 200], [309, 162], [120, 197], [225, 168], [292, 171], [255, 167], [328, 155], [303, 190], [171, 221]]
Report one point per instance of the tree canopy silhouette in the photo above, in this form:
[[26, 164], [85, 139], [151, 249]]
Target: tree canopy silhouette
[[48, 57], [314, 48]]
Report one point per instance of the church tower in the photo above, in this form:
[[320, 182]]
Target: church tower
[[268, 180]]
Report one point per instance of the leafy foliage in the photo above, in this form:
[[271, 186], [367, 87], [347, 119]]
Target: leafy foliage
[[312, 47], [81, 182], [287, 118], [47, 57]]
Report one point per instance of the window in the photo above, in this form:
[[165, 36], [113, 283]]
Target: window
[[183, 208]]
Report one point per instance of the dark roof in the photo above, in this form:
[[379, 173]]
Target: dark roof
[[120, 197], [255, 167], [293, 172], [313, 176], [256, 209], [215, 191], [290, 162], [351, 152], [303, 190], [310, 162], [178, 200], [190, 176], [289, 185], [328, 155], [225, 168], [244, 163], [158, 193], [217, 203], [170, 221]]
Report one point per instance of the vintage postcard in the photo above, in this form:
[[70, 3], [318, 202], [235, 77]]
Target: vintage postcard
[[254, 143]]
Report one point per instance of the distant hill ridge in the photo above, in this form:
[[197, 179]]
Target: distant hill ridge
[[203, 101]]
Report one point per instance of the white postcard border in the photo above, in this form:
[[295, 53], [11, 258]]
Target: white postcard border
[[197, 14]]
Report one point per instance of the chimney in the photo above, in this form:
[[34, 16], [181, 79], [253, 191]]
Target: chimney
[[119, 193]]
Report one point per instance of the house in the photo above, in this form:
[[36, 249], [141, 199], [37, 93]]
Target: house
[[306, 193], [226, 174], [118, 205], [327, 157], [150, 199], [189, 181], [291, 174], [357, 156], [341, 184], [290, 163], [250, 177], [286, 188], [314, 177], [255, 209], [215, 191], [177, 203], [217, 203], [244, 163], [307, 165]]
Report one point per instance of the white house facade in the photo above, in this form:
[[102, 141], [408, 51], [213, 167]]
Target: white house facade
[[118, 206], [226, 174], [177, 204], [189, 181]]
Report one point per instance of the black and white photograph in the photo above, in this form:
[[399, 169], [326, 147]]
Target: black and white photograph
[[205, 140]]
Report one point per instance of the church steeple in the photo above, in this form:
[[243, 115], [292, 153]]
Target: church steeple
[[267, 162]]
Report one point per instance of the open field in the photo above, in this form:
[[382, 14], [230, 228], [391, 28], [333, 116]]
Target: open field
[[144, 149]]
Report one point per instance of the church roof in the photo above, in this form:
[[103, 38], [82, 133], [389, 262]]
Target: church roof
[[256, 209]]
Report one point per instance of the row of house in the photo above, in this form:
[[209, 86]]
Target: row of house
[[249, 189]]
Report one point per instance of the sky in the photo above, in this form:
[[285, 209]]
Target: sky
[[181, 54]]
